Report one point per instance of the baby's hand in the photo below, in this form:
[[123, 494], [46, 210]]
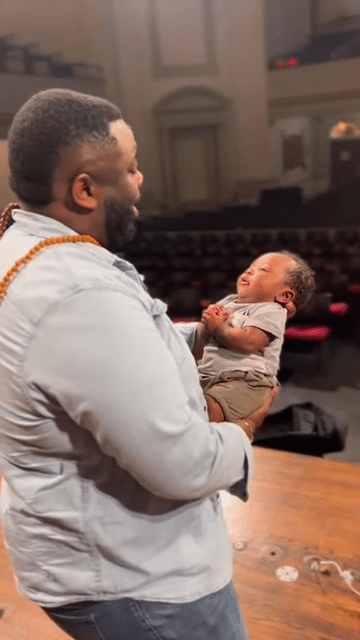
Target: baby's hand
[[214, 316]]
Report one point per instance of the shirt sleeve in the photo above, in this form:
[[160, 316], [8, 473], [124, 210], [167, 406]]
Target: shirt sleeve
[[187, 330], [268, 317], [100, 355]]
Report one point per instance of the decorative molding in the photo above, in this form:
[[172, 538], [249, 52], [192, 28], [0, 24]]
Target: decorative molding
[[163, 70], [191, 98], [316, 98], [191, 106]]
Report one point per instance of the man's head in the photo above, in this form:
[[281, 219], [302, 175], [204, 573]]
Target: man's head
[[72, 157], [277, 277]]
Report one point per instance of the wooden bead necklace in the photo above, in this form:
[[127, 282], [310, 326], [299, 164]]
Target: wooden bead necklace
[[19, 264]]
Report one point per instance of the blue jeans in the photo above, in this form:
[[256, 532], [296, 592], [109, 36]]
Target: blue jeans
[[214, 617]]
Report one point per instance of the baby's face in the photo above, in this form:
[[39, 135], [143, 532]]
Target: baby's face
[[265, 279]]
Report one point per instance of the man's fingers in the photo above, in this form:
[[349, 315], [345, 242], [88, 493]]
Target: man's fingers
[[258, 415]]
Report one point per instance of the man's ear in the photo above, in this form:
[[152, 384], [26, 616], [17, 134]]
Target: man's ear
[[287, 295], [84, 192]]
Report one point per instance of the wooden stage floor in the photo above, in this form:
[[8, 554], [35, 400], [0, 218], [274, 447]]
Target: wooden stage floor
[[302, 512]]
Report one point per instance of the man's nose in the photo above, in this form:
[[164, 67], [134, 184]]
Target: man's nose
[[139, 178]]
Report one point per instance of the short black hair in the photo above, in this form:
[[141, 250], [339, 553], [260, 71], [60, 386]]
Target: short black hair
[[49, 123], [301, 279]]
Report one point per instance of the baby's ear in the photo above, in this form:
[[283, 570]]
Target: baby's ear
[[285, 296]]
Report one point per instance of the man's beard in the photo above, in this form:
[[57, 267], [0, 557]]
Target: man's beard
[[119, 224]]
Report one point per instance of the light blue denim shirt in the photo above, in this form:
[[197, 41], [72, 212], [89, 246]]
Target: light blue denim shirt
[[111, 468]]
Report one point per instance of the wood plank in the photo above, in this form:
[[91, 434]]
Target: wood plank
[[299, 506]]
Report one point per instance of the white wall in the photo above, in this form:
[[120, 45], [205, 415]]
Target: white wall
[[234, 66], [6, 195], [352, 6], [153, 48], [15, 90]]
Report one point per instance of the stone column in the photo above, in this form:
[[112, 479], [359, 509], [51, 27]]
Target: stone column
[[249, 95]]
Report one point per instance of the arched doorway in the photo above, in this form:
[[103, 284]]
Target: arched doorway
[[192, 134]]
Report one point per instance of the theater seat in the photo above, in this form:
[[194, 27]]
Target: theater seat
[[303, 348], [339, 308], [304, 333], [185, 301]]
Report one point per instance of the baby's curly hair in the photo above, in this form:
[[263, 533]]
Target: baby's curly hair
[[49, 123], [301, 279]]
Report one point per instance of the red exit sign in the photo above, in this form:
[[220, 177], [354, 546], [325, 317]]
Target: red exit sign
[[292, 62]]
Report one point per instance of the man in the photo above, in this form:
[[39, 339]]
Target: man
[[111, 509]]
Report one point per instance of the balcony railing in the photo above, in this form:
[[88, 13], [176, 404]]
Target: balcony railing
[[321, 48], [28, 59]]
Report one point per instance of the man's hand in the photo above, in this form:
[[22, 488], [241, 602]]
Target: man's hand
[[253, 420], [258, 416]]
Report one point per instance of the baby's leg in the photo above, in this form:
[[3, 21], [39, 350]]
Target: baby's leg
[[215, 411], [231, 400]]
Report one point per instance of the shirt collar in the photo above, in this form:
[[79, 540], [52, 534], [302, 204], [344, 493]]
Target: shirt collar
[[37, 225]]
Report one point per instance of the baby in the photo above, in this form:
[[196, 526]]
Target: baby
[[239, 339]]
